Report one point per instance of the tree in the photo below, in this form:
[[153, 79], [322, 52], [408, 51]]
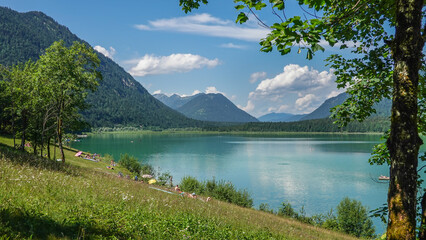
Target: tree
[[68, 74], [353, 218], [387, 39]]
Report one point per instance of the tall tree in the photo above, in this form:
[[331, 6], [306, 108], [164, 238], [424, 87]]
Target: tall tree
[[387, 38], [69, 73]]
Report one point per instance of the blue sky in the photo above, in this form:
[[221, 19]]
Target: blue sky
[[169, 51]]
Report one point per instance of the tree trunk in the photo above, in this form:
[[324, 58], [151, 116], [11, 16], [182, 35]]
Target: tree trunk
[[48, 147], [422, 231], [404, 140], [59, 130]]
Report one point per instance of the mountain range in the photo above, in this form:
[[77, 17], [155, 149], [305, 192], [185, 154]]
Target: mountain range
[[323, 111], [119, 100], [207, 107]]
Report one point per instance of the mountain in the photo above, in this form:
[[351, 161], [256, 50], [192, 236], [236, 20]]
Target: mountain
[[296, 117], [174, 101], [323, 111], [281, 117], [275, 117], [119, 100], [214, 107]]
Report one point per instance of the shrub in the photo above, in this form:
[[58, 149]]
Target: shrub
[[264, 207], [190, 184], [147, 169], [131, 163], [352, 218], [287, 210], [224, 191], [164, 179]]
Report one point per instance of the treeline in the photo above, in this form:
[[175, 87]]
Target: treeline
[[40, 100], [372, 124]]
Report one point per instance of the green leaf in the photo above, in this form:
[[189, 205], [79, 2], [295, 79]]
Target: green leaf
[[317, 47], [241, 18], [240, 7], [309, 54]]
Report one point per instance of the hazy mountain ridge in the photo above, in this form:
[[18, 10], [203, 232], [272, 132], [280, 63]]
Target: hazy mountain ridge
[[119, 100], [323, 111], [281, 117], [174, 101]]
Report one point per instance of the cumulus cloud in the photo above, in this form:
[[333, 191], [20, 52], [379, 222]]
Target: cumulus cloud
[[335, 93], [295, 90], [296, 78], [305, 102], [232, 45], [248, 108], [211, 90], [107, 53], [257, 76], [205, 24], [279, 109], [157, 92], [154, 65]]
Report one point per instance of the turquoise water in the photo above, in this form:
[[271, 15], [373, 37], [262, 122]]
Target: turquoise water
[[313, 171]]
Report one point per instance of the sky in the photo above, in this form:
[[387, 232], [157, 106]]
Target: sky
[[171, 52]]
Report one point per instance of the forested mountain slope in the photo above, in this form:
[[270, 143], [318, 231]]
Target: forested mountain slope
[[214, 107], [119, 100]]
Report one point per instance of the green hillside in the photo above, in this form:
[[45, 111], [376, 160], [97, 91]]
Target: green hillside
[[119, 100], [214, 107]]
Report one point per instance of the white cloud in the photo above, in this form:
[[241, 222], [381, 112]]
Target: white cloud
[[205, 24], [296, 78], [208, 90], [248, 108], [234, 46], [256, 76], [334, 93], [278, 109], [157, 92], [295, 90], [195, 92], [305, 102], [107, 53], [154, 65], [211, 90]]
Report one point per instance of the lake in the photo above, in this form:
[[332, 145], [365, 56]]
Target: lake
[[314, 171]]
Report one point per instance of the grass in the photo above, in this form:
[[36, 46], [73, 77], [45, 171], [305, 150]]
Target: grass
[[44, 199]]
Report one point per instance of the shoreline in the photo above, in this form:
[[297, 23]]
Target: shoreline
[[189, 132]]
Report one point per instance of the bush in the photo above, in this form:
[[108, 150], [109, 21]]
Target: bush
[[224, 191], [352, 218], [147, 169], [264, 207], [190, 184], [164, 178], [287, 210], [131, 163]]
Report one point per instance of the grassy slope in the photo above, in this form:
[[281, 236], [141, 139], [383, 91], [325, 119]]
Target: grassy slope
[[84, 199]]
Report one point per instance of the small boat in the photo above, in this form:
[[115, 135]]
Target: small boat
[[383, 177]]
